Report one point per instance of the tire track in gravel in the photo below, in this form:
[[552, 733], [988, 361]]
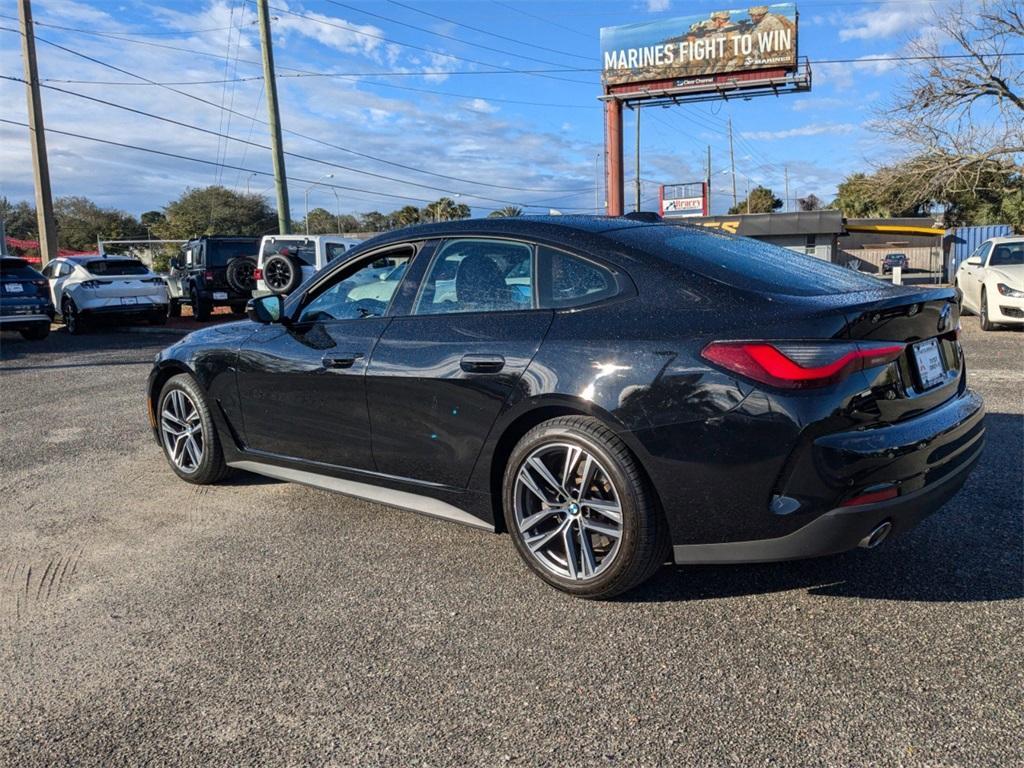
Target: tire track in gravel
[[28, 585]]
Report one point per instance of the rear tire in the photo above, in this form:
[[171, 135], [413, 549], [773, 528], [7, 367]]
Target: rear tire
[[37, 333], [238, 310], [72, 318], [986, 324], [173, 308], [619, 555], [200, 309], [184, 400]]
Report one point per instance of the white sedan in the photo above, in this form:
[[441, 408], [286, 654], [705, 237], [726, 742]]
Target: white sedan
[[992, 282], [92, 286]]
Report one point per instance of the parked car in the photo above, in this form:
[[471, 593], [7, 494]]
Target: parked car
[[287, 261], [612, 393], [991, 282], [892, 260], [25, 304], [213, 272], [93, 286]]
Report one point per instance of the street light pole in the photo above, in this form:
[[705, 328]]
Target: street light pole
[[315, 183], [248, 183], [337, 208]]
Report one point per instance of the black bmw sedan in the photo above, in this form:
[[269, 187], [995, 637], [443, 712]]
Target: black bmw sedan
[[612, 393]]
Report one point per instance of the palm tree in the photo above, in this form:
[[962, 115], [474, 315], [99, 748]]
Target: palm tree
[[508, 210]]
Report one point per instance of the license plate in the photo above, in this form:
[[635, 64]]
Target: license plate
[[14, 287], [219, 296], [929, 363], [129, 300]]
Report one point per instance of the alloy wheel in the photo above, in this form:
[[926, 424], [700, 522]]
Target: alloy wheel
[[277, 275], [181, 428], [567, 511]]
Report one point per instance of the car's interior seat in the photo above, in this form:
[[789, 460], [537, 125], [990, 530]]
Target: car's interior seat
[[479, 285]]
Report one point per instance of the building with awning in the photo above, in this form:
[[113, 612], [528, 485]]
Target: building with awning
[[815, 233]]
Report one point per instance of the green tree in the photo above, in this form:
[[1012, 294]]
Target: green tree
[[80, 223], [19, 219], [373, 221], [760, 200], [216, 210], [810, 203], [321, 222], [348, 223], [407, 216], [508, 210], [445, 209]]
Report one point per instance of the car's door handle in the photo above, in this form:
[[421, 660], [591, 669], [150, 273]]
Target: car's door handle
[[482, 363], [341, 361]]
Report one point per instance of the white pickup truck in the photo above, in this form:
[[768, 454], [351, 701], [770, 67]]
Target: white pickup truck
[[286, 261]]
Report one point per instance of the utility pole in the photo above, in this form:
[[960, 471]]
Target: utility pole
[[284, 218], [40, 166], [707, 181], [638, 157], [785, 170], [732, 163]]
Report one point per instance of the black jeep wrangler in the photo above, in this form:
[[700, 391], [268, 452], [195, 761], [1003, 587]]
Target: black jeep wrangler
[[210, 272]]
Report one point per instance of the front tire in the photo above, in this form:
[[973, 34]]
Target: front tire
[[580, 511], [187, 433], [986, 324], [173, 308]]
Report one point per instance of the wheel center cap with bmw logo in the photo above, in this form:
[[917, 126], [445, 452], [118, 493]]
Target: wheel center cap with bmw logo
[[574, 509]]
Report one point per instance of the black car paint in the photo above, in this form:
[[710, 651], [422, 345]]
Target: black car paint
[[716, 448]]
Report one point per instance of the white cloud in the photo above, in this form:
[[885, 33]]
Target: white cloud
[[812, 129], [480, 105], [657, 6], [888, 20]]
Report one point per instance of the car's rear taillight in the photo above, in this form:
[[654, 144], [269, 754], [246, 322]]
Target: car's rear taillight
[[799, 364], [257, 274], [208, 275]]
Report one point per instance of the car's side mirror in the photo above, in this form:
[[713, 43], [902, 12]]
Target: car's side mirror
[[974, 261], [265, 309]]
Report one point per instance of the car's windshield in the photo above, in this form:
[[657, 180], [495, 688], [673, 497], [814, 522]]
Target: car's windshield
[[220, 252], [18, 268], [1007, 255], [116, 267], [743, 263]]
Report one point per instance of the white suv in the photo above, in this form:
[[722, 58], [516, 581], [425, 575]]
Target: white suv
[[92, 286], [287, 261]]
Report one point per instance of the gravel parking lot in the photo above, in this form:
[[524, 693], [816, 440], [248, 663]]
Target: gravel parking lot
[[143, 620]]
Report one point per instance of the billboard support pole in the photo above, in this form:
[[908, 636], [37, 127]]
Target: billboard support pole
[[613, 156], [707, 189], [637, 185]]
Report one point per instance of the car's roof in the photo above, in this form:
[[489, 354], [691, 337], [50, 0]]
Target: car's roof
[[83, 257], [1006, 239]]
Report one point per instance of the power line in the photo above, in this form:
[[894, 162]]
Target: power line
[[549, 22], [356, 30], [301, 135], [487, 32], [296, 155]]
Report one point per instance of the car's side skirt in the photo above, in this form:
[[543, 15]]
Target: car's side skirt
[[403, 499]]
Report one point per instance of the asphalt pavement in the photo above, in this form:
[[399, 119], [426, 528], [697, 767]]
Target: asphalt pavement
[[147, 621]]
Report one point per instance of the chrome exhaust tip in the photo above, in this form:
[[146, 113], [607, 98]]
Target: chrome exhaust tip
[[877, 536]]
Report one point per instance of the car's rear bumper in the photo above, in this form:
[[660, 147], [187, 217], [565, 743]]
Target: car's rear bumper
[[24, 321], [926, 459], [836, 531], [124, 310]]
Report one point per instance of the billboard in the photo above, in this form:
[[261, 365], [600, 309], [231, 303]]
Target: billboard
[[704, 46], [681, 200]]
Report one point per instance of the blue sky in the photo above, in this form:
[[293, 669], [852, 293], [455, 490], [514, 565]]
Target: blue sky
[[447, 119]]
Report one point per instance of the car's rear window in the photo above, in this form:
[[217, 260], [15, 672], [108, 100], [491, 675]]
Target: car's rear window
[[220, 252], [305, 250], [115, 267], [19, 269], [743, 263]]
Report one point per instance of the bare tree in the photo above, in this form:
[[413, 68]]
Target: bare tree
[[961, 118]]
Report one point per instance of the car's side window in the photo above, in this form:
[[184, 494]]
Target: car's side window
[[572, 281], [478, 275], [360, 290], [65, 270], [50, 270], [334, 250], [983, 252]]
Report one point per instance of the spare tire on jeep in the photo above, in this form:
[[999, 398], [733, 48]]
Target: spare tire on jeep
[[281, 273], [241, 274]]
